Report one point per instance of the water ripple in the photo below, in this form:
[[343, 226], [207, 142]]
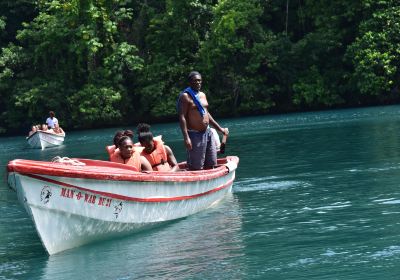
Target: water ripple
[[333, 206], [386, 253], [266, 183]]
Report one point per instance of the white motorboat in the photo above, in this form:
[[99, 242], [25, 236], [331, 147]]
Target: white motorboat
[[43, 139], [83, 200]]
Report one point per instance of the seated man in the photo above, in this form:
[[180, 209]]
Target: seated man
[[127, 154], [159, 155]]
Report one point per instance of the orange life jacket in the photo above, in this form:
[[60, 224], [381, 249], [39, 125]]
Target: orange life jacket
[[134, 160], [158, 158], [111, 149]]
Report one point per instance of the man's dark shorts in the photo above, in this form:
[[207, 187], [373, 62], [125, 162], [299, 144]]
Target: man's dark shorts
[[204, 151]]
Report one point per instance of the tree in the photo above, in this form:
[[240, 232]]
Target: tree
[[321, 73], [375, 52], [236, 57], [173, 41], [72, 58]]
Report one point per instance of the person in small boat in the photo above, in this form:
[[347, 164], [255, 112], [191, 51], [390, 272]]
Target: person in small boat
[[117, 136], [129, 133], [57, 129], [111, 148], [195, 121], [159, 155], [43, 127], [126, 153], [51, 121], [33, 130]]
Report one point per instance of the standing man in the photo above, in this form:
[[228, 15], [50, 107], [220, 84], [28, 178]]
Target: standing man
[[195, 121], [51, 120]]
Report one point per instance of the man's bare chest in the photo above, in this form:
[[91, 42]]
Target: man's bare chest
[[203, 101]]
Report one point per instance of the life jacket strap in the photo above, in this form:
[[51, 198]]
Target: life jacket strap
[[162, 162]]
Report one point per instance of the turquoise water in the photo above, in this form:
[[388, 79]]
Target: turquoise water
[[316, 197]]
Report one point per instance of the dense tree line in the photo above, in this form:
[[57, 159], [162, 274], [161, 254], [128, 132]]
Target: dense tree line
[[109, 62]]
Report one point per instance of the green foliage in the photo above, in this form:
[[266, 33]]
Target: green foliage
[[173, 41], [2, 24], [93, 104], [11, 58], [71, 48], [12, 14], [375, 52], [99, 62], [319, 74], [235, 56], [37, 95], [311, 91]]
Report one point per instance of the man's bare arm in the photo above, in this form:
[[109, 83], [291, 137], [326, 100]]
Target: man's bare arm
[[214, 123]]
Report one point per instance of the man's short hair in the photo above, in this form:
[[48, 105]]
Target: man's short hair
[[192, 74]]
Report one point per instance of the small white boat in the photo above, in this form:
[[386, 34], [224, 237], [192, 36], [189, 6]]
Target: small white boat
[[87, 200], [44, 139]]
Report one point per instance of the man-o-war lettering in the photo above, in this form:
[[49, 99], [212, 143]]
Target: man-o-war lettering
[[86, 198]]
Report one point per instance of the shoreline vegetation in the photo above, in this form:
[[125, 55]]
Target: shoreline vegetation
[[116, 63]]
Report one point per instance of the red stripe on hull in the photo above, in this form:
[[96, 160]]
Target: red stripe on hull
[[128, 198]]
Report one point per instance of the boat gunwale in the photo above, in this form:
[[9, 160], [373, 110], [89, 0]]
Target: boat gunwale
[[46, 132], [116, 171]]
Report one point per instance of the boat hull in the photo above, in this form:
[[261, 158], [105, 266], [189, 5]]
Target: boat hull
[[81, 207], [43, 139]]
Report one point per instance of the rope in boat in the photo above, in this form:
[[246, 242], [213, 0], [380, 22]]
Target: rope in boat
[[67, 160]]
